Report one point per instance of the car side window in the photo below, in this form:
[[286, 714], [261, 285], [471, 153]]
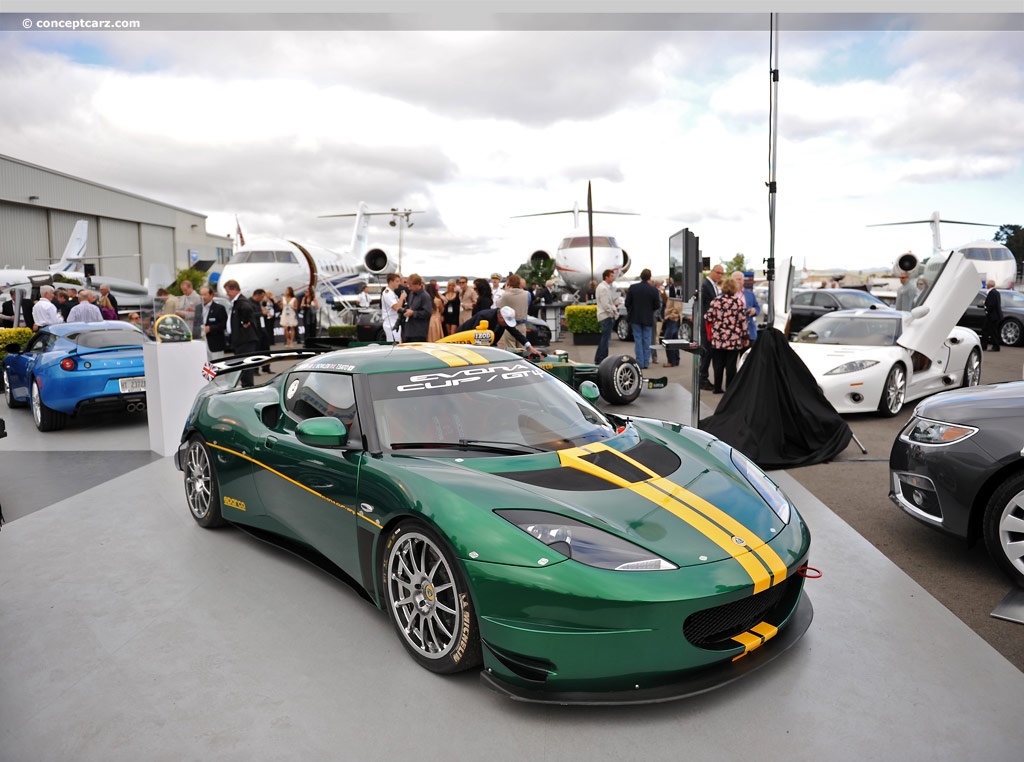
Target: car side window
[[803, 300], [312, 394], [823, 300], [40, 342], [979, 300]]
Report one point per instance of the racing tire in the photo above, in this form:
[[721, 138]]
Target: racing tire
[[427, 600], [202, 490], [46, 419], [894, 392], [972, 369], [1003, 527], [9, 393], [1010, 333], [686, 331], [623, 329], [619, 379]]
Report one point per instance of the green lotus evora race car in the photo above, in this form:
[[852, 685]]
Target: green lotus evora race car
[[502, 520]]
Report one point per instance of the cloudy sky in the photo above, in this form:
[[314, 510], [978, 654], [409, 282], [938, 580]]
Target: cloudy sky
[[277, 127]]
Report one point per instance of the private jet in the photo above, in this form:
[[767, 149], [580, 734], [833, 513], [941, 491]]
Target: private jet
[[274, 264], [581, 259], [991, 259]]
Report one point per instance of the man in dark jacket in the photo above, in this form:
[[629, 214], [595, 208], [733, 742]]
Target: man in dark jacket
[[418, 308], [993, 317], [213, 321], [643, 301], [245, 337], [708, 291]]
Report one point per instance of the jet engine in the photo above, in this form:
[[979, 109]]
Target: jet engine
[[906, 263], [539, 257], [377, 261], [626, 262]]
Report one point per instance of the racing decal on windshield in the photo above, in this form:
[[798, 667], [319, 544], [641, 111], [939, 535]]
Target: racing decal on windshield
[[478, 376], [752, 553], [755, 637], [451, 354]]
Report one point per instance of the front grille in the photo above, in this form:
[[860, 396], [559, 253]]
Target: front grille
[[714, 628]]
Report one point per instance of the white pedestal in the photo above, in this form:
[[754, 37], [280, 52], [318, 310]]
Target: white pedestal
[[174, 374]]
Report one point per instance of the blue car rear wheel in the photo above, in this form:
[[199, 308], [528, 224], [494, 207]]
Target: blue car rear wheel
[[46, 418]]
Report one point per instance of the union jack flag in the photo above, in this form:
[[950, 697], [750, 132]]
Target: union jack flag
[[209, 372]]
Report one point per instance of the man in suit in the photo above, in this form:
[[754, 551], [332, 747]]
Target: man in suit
[[643, 303], [244, 323], [993, 317], [258, 299], [418, 308], [213, 319], [708, 291]]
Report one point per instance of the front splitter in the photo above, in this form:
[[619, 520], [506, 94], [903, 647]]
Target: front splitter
[[693, 684]]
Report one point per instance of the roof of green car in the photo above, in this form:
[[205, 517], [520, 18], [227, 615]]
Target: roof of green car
[[404, 357]]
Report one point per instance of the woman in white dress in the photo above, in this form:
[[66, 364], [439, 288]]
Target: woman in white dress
[[289, 315]]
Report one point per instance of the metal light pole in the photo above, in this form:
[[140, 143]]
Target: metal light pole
[[400, 219]]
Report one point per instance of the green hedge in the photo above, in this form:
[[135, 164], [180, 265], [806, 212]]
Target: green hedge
[[582, 318], [341, 330], [14, 336]]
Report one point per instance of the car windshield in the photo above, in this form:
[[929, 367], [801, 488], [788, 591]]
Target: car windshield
[[129, 336], [858, 331], [855, 300], [509, 407]]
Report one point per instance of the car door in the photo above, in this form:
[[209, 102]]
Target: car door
[[801, 311], [974, 315], [313, 491], [956, 284], [21, 367]]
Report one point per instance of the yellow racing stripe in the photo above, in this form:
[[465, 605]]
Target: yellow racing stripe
[[292, 481], [762, 564], [755, 637]]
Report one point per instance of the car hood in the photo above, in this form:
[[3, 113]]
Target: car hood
[[675, 493], [821, 358], [974, 404]]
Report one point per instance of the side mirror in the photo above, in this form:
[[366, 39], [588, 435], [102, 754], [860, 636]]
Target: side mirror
[[13, 349], [322, 432], [589, 391], [920, 311]]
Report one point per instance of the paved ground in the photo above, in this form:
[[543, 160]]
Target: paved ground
[[855, 487]]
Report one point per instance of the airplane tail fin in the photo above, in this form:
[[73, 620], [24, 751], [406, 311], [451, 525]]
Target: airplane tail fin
[[159, 276], [71, 259]]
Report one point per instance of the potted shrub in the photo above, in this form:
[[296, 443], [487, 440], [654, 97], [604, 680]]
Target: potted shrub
[[581, 322]]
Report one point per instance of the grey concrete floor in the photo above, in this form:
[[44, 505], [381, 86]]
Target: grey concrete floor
[[129, 633]]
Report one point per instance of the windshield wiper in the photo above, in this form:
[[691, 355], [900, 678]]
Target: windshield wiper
[[466, 444]]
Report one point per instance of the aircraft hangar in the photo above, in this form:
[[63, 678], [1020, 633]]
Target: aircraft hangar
[[127, 233]]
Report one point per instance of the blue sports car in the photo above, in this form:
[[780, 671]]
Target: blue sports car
[[69, 368]]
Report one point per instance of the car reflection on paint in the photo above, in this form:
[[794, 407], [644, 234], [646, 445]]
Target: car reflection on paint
[[502, 521]]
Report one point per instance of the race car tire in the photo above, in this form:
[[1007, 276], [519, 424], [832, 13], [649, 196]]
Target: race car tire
[[9, 393], [1011, 333], [972, 369], [619, 379], [202, 490], [623, 329], [1003, 527], [428, 601], [894, 392], [46, 419]]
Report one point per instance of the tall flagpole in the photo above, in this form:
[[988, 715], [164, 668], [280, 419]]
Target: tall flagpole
[[773, 147]]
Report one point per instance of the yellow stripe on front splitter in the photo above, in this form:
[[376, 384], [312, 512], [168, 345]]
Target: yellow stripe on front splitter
[[755, 637], [297, 484], [761, 563], [453, 355]]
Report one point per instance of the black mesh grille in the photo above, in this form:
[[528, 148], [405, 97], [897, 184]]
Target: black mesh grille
[[713, 628]]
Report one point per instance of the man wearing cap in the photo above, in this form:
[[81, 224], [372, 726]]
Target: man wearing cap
[[499, 320]]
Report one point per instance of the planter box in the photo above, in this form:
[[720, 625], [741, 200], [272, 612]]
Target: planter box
[[593, 339]]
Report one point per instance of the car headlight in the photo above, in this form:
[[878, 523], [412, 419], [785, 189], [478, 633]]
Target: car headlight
[[765, 487], [584, 543], [924, 431], [852, 367]]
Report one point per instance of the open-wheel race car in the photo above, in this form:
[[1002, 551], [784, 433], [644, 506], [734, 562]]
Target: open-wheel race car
[[503, 522]]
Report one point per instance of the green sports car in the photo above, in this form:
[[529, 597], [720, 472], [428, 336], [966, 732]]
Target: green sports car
[[502, 520]]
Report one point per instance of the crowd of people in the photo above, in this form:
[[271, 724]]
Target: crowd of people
[[414, 310]]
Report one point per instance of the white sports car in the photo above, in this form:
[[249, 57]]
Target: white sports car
[[866, 360]]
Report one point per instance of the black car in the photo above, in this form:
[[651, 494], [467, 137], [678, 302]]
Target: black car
[[1011, 330], [958, 466], [808, 306]]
